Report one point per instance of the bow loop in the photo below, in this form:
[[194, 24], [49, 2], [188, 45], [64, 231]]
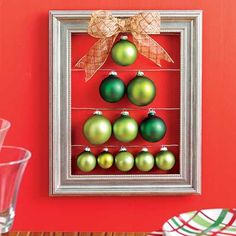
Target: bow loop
[[102, 24], [124, 24], [146, 23]]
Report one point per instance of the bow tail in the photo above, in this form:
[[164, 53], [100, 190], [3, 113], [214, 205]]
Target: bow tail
[[150, 48], [96, 56]]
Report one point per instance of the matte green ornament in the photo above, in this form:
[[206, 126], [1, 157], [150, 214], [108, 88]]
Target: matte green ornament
[[144, 160], [86, 161], [152, 128], [97, 129], [105, 159], [124, 52], [141, 90], [125, 128], [165, 160], [112, 88], [124, 160]]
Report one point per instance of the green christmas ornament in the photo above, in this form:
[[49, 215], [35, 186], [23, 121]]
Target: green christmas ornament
[[152, 128], [144, 160], [112, 88], [141, 90], [124, 52], [97, 129], [125, 128], [165, 160], [105, 159], [86, 161], [124, 160]]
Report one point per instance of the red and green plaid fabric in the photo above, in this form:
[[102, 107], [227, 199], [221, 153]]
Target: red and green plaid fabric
[[205, 222]]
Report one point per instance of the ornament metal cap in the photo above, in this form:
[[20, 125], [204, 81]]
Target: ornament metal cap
[[113, 73], [105, 149], [144, 149], [164, 148], [87, 149], [123, 149], [151, 112], [140, 73], [124, 37], [97, 113], [124, 113]]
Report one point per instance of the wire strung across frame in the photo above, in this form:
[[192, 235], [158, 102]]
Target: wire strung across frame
[[131, 70], [127, 146], [127, 109]]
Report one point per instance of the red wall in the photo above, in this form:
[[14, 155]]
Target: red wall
[[24, 101]]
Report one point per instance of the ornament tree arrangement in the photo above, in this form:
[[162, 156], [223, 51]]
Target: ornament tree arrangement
[[140, 92]]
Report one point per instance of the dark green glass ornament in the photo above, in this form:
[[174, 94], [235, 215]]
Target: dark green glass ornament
[[144, 160], [112, 88], [152, 128], [86, 161], [124, 160], [97, 129], [141, 90], [165, 160], [124, 52], [125, 128]]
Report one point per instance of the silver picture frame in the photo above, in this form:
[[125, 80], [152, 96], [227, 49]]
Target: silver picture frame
[[62, 23]]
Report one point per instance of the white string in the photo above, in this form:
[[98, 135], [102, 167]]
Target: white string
[[131, 70], [162, 33], [126, 109], [127, 146]]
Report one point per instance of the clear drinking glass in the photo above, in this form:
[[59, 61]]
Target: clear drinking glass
[[4, 127], [13, 161]]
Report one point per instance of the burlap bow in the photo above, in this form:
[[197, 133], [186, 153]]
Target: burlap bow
[[106, 27]]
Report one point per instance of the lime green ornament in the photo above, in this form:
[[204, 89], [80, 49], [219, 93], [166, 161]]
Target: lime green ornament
[[165, 160], [124, 160], [141, 90], [144, 160], [112, 88], [124, 52], [105, 159], [97, 129], [125, 128], [152, 128], [86, 161]]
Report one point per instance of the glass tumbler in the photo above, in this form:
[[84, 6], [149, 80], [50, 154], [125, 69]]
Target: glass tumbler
[[13, 161], [4, 127]]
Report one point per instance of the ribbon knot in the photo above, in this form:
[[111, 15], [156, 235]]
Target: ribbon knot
[[106, 27], [124, 25]]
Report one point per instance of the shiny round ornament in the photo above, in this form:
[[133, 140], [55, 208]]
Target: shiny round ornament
[[86, 161], [105, 159], [97, 129], [124, 52], [141, 90], [152, 128], [124, 160], [125, 128], [112, 88], [144, 160], [165, 160]]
